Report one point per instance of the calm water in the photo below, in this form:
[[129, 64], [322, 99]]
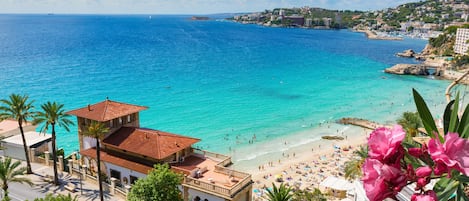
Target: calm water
[[219, 81]]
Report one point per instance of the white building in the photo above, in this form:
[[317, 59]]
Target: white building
[[461, 46], [35, 142]]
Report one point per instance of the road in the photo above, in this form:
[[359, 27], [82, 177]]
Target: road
[[21, 192]]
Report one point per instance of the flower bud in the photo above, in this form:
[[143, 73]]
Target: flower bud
[[423, 171]]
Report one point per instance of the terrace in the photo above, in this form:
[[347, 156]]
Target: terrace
[[209, 172]]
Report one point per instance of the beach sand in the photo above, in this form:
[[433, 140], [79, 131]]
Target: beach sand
[[307, 165]]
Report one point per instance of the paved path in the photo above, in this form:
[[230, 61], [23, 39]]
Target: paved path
[[42, 187]]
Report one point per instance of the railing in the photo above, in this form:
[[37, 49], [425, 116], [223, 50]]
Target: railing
[[220, 167], [207, 186]]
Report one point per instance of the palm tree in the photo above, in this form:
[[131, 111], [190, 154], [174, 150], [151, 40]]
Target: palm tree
[[97, 130], [353, 167], [53, 114], [410, 121], [282, 193], [9, 172], [19, 108]]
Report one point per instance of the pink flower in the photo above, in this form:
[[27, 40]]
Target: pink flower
[[416, 152], [385, 144], [423, 171], [428, 196], [452, 154], [381, 180]]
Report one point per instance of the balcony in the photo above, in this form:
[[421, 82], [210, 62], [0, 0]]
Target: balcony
[[210, 172]]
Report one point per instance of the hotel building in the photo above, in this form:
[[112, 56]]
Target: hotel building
[[128, 152], [461, 45]]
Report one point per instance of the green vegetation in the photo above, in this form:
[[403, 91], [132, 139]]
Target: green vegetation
[[353, 167], [19, 108], [51, 197], [461, 60], [305, 195], [410, 121], [53, 114], [97, 130], [282, 193], [161, 184], [11, 172]]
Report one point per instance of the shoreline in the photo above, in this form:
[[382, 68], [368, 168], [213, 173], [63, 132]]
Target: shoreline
[[306, 166], [374, 36]]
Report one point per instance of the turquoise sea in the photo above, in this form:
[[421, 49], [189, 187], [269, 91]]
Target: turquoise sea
[[216, 80]]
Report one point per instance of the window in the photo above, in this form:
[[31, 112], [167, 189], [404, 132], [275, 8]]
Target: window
[[120, 120], [128, 118], [111, 123], [133, 179], [115, 174], [197, 198]]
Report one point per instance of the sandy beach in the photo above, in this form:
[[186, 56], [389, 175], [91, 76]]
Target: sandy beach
[[308, 165]]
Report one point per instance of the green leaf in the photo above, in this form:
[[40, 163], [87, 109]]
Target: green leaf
[[425, 115], [447, 116], [453, 123], [464, 123], [463, 178], [445, 188], [461, 196]]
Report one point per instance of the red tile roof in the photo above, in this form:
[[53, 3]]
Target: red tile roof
[[106, 110], [138, 167], [147, 142]]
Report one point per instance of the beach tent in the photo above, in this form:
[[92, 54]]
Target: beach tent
[[338, 187]]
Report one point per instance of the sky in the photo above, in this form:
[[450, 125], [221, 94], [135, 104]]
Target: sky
[[182, 6]]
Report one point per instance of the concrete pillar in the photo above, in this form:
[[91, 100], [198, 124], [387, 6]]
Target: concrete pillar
[[46, 157], [113, 186], [83, 171], [32, 153], [185, 193], [61, 163], [127, 190], [70, 166], [74, 156]]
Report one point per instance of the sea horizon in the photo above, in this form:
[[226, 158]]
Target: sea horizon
[[219, 81]]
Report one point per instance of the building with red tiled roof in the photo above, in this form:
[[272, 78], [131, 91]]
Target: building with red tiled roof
[[128, 152]]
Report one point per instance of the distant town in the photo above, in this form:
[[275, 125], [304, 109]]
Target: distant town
[[423, 19], [442, 22]]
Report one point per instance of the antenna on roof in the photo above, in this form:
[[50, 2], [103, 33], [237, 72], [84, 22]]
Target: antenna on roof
[[107, 97]]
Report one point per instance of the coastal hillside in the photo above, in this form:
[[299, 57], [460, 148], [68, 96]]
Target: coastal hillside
[[418, 19]]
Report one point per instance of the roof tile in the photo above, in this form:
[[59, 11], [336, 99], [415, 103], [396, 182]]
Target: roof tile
[[147, 142], [106, 110]]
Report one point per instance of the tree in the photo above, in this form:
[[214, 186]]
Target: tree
[[97, 130], [9, 172], [304, 195], [282, 193], [410, 121], [19, 108], [353, 167], [160, 184], [53, 114], [51, 197]]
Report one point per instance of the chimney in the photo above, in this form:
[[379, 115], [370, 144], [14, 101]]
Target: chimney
[[89, 107]]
